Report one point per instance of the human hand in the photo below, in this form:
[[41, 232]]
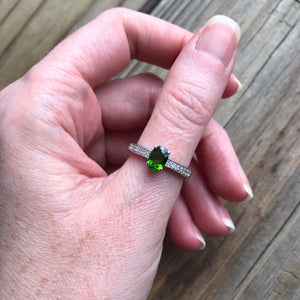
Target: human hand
[[67, 229]]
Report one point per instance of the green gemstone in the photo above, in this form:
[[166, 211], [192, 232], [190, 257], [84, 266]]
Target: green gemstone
[[158, 158]]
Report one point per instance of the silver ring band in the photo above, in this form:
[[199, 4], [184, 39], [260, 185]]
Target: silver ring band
[[176, 167]]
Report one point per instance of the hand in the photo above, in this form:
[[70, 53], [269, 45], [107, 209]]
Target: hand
[[68, 230]]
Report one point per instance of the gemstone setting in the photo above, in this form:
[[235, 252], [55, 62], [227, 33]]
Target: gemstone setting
[[176, 167], [158, 157]]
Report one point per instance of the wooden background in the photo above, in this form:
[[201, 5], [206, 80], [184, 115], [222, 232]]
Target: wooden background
[[261, 259]]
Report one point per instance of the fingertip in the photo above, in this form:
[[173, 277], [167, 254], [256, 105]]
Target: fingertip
[[240, 86], [220, 166], [229, 224], [201, 239], [248, 193], [233, 87], [183, 232], [248, 190], [226, 219], [208, 213]]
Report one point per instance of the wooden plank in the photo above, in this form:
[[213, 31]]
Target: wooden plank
[[7, 6], [278, 268], [53, 21], [271, 151], [261, 258], [193, 14], [45, 28], [258, 46], [288, 284], [262, 219], [98, 7], [266, 101], [14, 23], [187, 14], [227, 262]]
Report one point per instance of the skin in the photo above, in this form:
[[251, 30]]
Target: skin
[[82, 219]]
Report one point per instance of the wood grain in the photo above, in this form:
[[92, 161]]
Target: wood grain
[[261, 259], [7, 6]]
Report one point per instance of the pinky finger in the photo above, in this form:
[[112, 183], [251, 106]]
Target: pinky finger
[[182, 229]]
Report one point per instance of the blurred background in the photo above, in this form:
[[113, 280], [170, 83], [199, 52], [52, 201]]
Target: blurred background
[[261, 259]]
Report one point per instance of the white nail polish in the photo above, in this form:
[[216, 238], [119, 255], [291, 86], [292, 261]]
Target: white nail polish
[[248, 190], [228, 222], [201, 239]]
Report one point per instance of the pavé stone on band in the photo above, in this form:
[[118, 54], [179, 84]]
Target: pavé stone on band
[[159, 158]]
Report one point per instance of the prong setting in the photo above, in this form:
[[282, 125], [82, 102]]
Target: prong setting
[[176, 167]]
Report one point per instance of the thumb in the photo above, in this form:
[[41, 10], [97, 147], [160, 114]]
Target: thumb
[[185, 105]]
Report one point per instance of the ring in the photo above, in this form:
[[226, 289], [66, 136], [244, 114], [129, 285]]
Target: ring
[[158, 158]]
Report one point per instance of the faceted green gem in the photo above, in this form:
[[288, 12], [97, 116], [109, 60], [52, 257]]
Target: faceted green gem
[[158, 158]]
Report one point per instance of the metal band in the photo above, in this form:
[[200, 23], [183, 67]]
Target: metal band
[[176, 167]]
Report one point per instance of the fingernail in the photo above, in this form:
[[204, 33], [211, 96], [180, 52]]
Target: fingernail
[[195, 157], [248, 190], [240, 86], [246, 184], [226, 218], [201, 239], [228, 223], [219, 38]]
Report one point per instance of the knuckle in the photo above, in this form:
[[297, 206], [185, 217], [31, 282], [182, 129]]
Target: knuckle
[[116, 13], [219, 130], [116, 10], [224, 133], [29, 77], [191, 103]]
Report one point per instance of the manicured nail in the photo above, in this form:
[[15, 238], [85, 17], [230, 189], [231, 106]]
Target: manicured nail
[[201, 239], [195, 157], [219, 38], [240, 86], [228, 223], [248, 190], [246, 185], [226, 218]]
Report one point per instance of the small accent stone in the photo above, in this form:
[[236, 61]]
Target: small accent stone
[[158, 158]]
